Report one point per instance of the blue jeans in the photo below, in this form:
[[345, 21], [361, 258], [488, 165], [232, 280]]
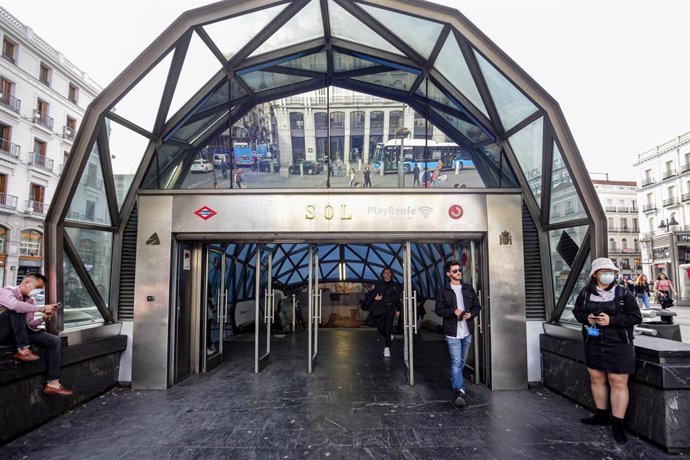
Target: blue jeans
[[643, 300], [458, 349]]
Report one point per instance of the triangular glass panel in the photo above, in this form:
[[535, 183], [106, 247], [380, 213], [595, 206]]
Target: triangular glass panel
[[564, 245], [344, 62], [346, 26], [236, 90], [200, 65], [418, 33], [127, 149], [436, 95], [528, 147], [261, 81], [450, 62], [79, 308], [230, 35], [470, 131], [190, 131], [397, 79], [140, 104], [90, 200], [565, 202], [304, 26], [313, 62], [95, 249], [512, 105], [165, 167]]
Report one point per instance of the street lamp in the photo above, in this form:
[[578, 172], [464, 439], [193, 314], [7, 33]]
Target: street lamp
[[671, 222], [401, 133]]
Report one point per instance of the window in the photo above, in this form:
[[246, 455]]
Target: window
[[6, 95], [338, 120], [624, 224], [650, 198], [320, 121], [395, 122], [609, 202], [73, 93], [377, 122], [648, 174], [30, 243], [296, 121], [40, 147], [635, 225], [612, 244], [36, 199], [636, 247], [4, 236], [634, 205], [672, 192], [356, 120], [624, 244], [90, 210], [422, 129], [70, 128], [9, 50], [610, 221], [669, 165], [44, 74]]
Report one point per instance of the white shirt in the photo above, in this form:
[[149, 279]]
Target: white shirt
[[463, 330]]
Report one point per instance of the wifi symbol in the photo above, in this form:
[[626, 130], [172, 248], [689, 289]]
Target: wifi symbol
[[425, 211]]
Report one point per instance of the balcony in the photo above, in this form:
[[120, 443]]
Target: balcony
[[673, 201], [94, 182], [36, 207], [647, 181], [668, 173], [68, 132], [685, 197], [8, 201], [43, 119], [610, 209], [40, 160], [8, 148], [649, 207], [10, 101], [8, 57], [684, 168]]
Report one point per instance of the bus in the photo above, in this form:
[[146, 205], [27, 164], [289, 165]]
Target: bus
[[448, 154], [244, 156], [454, 156]]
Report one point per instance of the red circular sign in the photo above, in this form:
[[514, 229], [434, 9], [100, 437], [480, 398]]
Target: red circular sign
[[455, 211]]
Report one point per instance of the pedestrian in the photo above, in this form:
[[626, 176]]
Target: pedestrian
[[224, 168], [415, 175], [239, 178], [384, 303], [664, 291], [641, 291], [458, 304], [19, 324], [353, 176], [367, 176], [608, 314], [339, 166]]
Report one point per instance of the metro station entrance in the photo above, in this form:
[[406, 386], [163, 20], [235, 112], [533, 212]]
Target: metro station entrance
[[265, 291]]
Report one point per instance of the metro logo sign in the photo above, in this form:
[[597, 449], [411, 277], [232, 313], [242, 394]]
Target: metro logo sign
[[205, 212], [455, 211]]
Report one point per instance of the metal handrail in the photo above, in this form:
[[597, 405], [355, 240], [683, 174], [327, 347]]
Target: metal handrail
[[8, 148], [10, 101]]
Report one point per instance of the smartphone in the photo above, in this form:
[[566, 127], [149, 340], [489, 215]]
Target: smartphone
[[59, 305]]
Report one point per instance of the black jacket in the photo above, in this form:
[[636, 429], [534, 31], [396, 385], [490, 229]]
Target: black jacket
[[391, 301], [626, 318], [446, 304]]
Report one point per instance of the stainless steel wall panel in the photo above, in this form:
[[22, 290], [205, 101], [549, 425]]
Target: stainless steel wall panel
[[507, 293], [151, 317]]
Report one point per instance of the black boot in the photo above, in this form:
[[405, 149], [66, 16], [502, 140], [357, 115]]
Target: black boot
[[618, 430], [601, 417]]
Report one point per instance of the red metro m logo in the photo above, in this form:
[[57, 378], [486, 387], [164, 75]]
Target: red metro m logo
[[205, 212], [455, 211]]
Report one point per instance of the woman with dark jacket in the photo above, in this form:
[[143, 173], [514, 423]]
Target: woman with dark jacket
[[608, 314], [384, 304]]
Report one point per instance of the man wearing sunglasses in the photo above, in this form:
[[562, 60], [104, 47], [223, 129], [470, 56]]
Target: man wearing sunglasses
[[457, 303]]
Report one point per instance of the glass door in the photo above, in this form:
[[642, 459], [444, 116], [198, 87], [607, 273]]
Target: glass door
[[409, 313], [214, 310], [314, 307], [265, 307]]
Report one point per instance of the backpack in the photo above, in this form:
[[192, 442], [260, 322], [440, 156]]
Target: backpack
[[619, 299]]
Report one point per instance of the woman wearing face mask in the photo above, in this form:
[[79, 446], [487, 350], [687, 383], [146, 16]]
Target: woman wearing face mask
[[608, 314]]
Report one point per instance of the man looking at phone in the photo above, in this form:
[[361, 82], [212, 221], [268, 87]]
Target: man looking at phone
[[457, 303], [18, 323]]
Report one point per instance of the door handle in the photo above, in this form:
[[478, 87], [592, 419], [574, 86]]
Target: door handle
[[414, 310], [267, 314], [225, 307]]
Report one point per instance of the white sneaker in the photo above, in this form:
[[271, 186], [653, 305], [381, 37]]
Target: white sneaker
[[386, 352]]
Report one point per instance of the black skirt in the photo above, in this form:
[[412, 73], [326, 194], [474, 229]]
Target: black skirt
[[610, 352]]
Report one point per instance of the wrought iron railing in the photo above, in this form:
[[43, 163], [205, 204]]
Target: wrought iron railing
[[36, 207], [8, 148], [40, 160], [10, 101], [8, 201], [43, 119]]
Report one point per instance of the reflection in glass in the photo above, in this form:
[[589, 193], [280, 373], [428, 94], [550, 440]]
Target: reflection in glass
[[79, 309], [527, 145], [451, 64], [230, 35], [511, 104], [397, 79], [348, 27], [261, 81], [190, 131], [435, 94], [127, 148], [95, 251], [564, 244], [345, 62], [418, 33], [582, 280], [131, 107], [314, 62], [470, 131], [90, 202], [305, 25], [565, 202]]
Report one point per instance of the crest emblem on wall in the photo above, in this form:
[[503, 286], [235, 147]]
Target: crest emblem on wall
[[505, 238]]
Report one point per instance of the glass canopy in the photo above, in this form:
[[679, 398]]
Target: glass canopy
[[174, 112]]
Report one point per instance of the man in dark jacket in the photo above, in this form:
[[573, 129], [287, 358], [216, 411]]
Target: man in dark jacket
[[457, 303], [384, 303]]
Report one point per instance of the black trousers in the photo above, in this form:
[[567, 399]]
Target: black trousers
[[384, 325], [13, 328]]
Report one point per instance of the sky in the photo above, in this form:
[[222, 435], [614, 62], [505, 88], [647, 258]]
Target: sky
[[619, 69]]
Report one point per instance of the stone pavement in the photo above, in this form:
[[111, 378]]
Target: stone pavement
[[355, 405]]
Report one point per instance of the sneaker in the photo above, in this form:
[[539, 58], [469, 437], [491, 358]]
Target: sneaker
[[386, 352], [459, 398]]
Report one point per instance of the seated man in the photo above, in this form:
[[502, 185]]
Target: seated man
[[17, 323]]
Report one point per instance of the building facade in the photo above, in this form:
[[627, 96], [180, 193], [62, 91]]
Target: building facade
[[664, 193], [619, 200], [43, 97], [357, 123]]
